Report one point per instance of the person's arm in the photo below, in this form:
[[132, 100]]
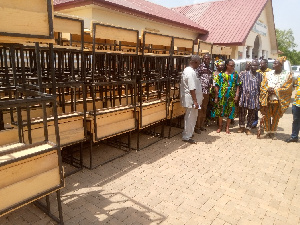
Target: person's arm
[[237, 94], [216, 93], [193, 94]]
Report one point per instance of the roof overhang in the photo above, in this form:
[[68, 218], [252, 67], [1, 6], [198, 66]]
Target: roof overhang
[[126, 10]]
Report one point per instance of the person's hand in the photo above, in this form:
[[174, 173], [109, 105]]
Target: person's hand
[[196, 105], [236, 99], [263, 110], [271, 90], [216, 100]]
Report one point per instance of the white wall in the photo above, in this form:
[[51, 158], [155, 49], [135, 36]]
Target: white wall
[[116, 18], [266, 40]]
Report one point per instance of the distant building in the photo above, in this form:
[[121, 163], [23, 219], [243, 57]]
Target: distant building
[[245, 26], [139, 14], [227, 28]]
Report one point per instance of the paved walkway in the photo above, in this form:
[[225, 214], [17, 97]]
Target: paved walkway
[[224, 179]]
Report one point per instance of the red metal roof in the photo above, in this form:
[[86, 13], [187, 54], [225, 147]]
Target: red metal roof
[[228, 21], [140, 8]]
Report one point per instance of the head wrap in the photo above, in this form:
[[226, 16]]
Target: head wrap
[[218, 62], [282, 59]]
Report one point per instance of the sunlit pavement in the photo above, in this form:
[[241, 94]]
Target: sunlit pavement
[[223, 179]]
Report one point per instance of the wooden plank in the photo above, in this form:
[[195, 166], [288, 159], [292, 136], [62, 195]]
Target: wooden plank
[[25, 152], [24, 22], [186, 43], [149, 109], [114, 116], [34, 6], [153, 113], [153, 118], [8, 136], [23, 169], [115, 128], [70, 130], [157, 39], [33, 186], [67, 25], [10, 147], [116, 33], [23, 40], [69, 136], [178, 110]]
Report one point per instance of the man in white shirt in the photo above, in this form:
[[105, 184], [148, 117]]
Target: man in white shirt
[[190, 97]]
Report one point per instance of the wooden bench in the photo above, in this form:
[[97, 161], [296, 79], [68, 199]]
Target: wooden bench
[[111, 122], [28, 173]]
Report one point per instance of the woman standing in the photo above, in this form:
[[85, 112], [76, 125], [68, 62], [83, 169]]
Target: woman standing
[[226, 94]]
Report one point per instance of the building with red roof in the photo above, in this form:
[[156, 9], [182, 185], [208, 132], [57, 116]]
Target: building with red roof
[[246, 26], [234, 28], [136, 14]]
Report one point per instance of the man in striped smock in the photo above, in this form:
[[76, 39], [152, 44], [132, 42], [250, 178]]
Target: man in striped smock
[[249, 96]]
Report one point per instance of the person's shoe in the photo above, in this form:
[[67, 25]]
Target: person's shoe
[[197, 131], [272, 136], [265, 136], [241, 130], [291, 140], [191, 141], [202, 129], [254, 124], [248, 132]]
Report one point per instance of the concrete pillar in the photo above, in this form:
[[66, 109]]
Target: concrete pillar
[[250, 51], [244, 56], [259, 54]]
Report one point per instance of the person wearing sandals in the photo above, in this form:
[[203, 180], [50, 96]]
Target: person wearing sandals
[[205, 75], [220, 65], [226, 94], [275, 96], [249, 96], [190, 98], [296, 115], [263, 70]]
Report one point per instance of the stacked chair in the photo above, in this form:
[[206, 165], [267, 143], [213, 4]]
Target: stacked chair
[[70, 86], [182, 51], [63, 88], [30, 163], [153, 81], [112, 84]]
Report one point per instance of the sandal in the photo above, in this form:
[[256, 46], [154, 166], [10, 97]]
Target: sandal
[[227, 130]]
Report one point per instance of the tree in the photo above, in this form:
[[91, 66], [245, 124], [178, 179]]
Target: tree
[[286, 44], [285, 40]]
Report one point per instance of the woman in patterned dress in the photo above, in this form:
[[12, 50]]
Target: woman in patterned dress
[[226, 94], [220, 64]]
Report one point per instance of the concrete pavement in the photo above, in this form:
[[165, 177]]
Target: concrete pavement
[[224, 179]]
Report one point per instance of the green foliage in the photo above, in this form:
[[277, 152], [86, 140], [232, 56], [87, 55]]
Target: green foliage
[[286, 44]]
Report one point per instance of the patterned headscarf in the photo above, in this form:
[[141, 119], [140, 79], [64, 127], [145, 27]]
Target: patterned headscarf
[[218, 62], [282, 59]]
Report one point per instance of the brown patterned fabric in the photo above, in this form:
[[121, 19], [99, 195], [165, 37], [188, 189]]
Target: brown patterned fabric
[[284, 94]]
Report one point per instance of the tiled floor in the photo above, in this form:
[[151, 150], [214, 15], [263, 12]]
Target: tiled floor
[[224, 179]]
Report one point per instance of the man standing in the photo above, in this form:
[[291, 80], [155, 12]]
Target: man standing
[[296, 115], [190, 98], [205, 75], [249, 96], [263, 70], [275, 96]]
